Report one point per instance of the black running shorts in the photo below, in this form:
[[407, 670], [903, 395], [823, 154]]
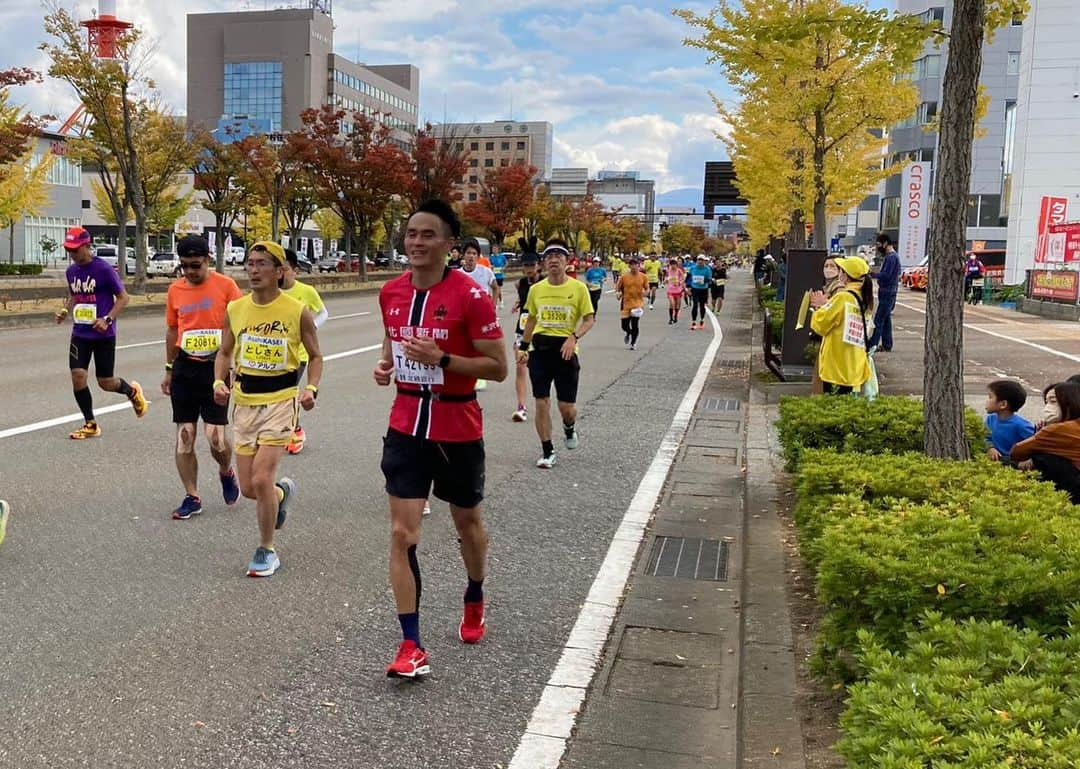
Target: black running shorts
[[103, 351], [717, 291], [547, 367], [416, 467], [193, 394]]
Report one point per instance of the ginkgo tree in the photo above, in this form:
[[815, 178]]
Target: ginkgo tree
[[816, 80], [22, 178]]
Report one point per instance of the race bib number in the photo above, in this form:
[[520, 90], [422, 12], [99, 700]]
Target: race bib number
[[595, 286], [555, 316], [854, 330], [201, 342], [85, 314], [263, 353], [699, 281], [414, 372], [720, 281]]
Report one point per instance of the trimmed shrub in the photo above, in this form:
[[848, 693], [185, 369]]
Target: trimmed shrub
[[971, 695], [766, 293], [974, 556], [831, 485], [889, 423], [7, 268], [777, 317]]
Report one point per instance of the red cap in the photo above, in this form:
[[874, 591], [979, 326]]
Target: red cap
[[76, 238]]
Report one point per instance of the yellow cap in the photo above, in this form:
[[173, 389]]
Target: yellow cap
[[855, 266], [272, 248]]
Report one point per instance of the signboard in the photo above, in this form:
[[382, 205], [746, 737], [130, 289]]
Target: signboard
[[1063, 242], [189, 228], [1056, 285], [914, 213], [1052, 211]]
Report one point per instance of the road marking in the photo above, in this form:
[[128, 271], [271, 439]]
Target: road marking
[[11, 432], [548, 731], [162, 341], [1034, 345]]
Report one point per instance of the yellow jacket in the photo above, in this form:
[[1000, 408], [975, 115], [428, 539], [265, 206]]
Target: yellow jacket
[[842, 360]]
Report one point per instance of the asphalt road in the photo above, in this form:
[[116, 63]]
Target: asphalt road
[[131, 640]]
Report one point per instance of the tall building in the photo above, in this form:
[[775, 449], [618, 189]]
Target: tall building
[[497, 144], [1046, 162], [259, 70], [626, 191], [991, 153], [569, 182]]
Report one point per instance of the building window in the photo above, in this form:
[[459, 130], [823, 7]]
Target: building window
[[927, 112], [1013, 67], [934, 14], [472, 197], [505, 146], [253, 88], [62, 171], [928, 67], [521, 145], [489, 163], [489, 146], [38, 227], [474, 180], [474, 162], [990, 211], [890, 213], [460, 146], [86, 204], [504, 162], [474, 146], [972, 219]]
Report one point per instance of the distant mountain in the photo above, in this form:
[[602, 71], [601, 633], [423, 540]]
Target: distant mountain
[[689, 197]]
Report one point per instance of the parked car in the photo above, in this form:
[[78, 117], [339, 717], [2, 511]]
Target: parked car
[[327, 264], [165, 264], [107, 253], [915, 278], [303, 264], [382, 261]]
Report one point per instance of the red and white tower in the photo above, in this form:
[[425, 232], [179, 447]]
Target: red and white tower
[[103, 33]]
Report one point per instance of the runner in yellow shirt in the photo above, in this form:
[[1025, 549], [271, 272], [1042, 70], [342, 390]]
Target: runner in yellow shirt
[[652, 272], [309, 297]]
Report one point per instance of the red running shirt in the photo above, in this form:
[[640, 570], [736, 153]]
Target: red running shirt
[[453, 312]]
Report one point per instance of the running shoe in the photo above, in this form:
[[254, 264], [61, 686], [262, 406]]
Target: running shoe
[[297, 444], [427, 509], [546, 463], [572, 441], [520, 415], [626, 339], [5, 514], [138, 400], [230, 489], [190, 506], [411, 661], [288, 488], [472, 627], [89, 430], [633, 347], [264, 563]]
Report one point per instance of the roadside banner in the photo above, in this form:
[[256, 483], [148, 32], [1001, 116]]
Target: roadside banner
[[1052, 211], [211, 238], [1056, 285], [914, 213], [1063, 242]]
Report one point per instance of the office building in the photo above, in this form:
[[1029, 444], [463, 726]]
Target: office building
[[257, 71], [569, 182], [498, 144], [1046, 160], [626, 191]]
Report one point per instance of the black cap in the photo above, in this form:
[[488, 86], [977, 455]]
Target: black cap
[[192, 245]]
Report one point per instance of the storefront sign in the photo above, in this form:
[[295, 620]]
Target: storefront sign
[[1063, 242], [1055, 285], [1052, 211], [914, 213]]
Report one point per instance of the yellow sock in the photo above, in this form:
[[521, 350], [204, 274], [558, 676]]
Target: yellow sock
[[280, 493]]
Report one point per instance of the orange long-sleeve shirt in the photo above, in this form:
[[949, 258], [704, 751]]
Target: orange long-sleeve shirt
[[1060, 439]]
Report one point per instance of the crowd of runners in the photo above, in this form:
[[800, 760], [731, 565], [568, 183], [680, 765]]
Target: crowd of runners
[[254, 360]]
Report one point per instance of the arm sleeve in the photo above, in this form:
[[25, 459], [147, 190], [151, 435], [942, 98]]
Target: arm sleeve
[[1046, 441], [321, 316], [890, 271]]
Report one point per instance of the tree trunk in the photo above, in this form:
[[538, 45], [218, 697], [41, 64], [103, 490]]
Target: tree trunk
[[140, 254], [219, 243], [943, 364], [821, 224], [11, 242], [796, 237]]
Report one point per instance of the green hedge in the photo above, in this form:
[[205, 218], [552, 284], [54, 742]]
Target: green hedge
[[777, 318], [976, 556], [831, 485], [888, 423], [974, 695], [6, 268], [767, 293]]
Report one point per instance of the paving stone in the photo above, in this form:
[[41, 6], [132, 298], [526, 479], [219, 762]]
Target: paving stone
[[589, 754], [673, 683]]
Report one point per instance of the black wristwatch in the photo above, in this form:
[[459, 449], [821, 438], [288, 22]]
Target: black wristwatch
[[444, 361], [523, 345]]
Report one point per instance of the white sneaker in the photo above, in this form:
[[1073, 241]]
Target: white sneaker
[[520, 416], [633, 347], [571, 440], [546, 463], [427, 508]]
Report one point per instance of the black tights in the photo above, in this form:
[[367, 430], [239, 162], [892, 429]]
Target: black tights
[[701, 301], [630, 326], [1061, 472]]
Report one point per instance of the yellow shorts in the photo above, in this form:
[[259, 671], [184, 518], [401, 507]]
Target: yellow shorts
[[270, 425]]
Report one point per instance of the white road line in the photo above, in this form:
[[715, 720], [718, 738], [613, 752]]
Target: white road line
[[69, 418], [548, 731], [1034, 345], [162, 341]]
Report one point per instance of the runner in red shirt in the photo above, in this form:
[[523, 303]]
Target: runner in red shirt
[[441, 336]]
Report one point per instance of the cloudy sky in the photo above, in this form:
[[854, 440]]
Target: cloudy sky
[[613, 77]]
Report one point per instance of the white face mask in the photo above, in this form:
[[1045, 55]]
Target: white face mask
[[1051, 412]]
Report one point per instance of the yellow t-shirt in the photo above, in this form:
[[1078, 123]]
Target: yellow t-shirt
[[309, 297], [558, 309], [652, 270], [617, 265], [268, 343]]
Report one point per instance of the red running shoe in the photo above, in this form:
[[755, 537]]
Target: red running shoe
[[411, 662], [472, 626]]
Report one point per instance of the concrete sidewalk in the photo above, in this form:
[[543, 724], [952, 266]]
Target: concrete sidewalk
[[670, 692]]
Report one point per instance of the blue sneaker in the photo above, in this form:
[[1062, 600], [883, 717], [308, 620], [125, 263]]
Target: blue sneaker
[[189, 507], [230, 489], [264, 563], [288, 488]]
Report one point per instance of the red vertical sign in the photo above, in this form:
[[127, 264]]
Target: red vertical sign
[[1052, 211]]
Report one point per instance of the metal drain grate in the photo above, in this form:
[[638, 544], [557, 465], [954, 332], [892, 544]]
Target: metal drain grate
[[689, 558], [720, 404], [733, 362]]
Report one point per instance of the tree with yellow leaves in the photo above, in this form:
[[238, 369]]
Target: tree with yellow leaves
[[23, 192], [815, 78]]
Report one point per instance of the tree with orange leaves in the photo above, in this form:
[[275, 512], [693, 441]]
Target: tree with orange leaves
[[505, 196]]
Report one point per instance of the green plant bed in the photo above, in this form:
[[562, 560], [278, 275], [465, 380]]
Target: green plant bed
[[832, 484], [6, 269], [767, 293], [776, 310], [889, 423], [972, 695], [975, 556]]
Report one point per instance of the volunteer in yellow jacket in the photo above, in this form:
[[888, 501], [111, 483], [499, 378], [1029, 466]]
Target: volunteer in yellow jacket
[[840, 321], [264, 334], [309, 297]]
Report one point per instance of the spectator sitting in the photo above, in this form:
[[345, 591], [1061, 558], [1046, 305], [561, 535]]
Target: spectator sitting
[[1055, 449], [1004, 398]]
